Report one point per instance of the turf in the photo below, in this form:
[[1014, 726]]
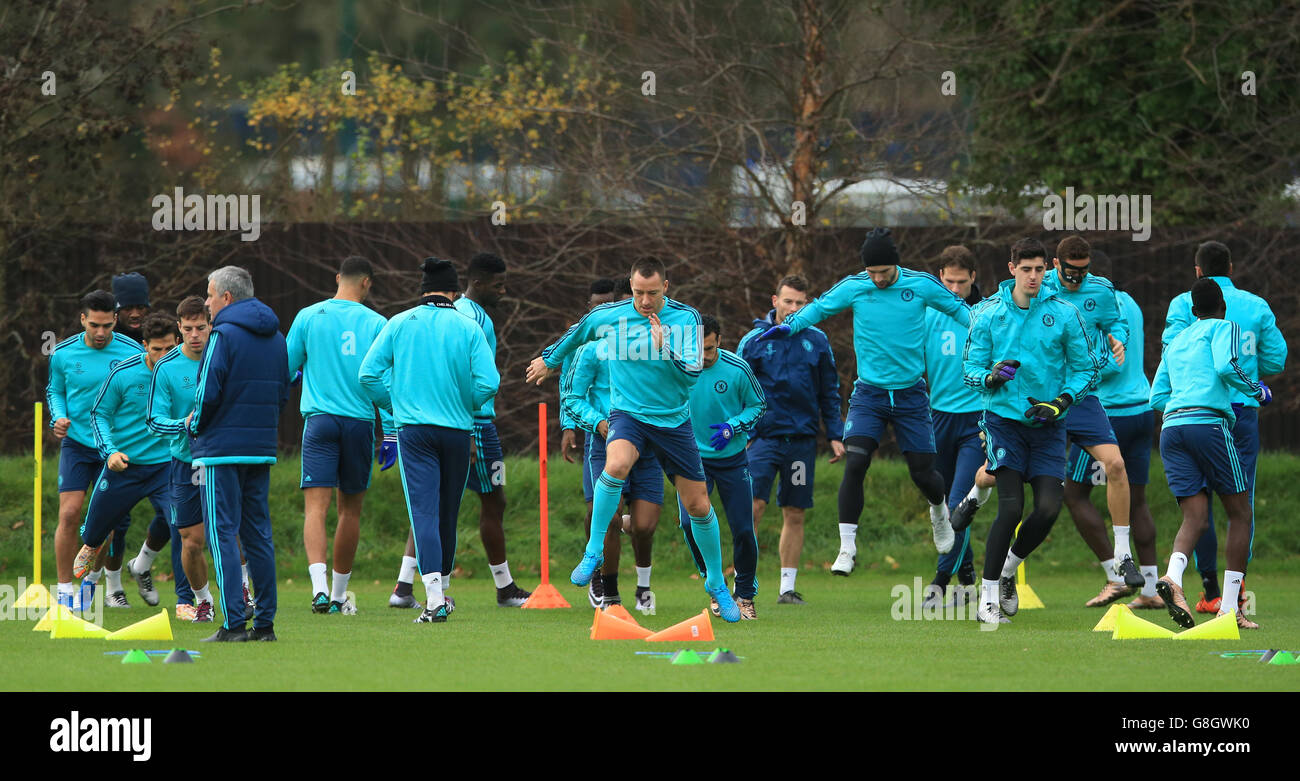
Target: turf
[[843, 640]]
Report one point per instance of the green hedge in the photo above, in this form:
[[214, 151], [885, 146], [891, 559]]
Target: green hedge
[[895, 528]]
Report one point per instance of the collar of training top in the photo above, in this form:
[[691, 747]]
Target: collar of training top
[[442, 301]]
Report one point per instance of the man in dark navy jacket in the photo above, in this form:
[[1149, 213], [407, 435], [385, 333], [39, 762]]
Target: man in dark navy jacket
[[243, 385], [803, 392]]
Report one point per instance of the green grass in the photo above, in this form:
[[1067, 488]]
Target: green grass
[[843, 640]]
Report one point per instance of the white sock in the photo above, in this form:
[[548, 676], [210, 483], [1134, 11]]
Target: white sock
[[501, 574], [787, 578], [144, 559], [113, 580], [1231, 590], [1108, 566], [67, 588], [1009, 566], [433, 590], [1149, 572], [643, 577], [848, 541], [407, 573], [979, 495], [244, 568], [1177, 563], [317, 573], [93, 577], [989, 591], [939, 510], [202, 594], [339, 588], [1122, 550]]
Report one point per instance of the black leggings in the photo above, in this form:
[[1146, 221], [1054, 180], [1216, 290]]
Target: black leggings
[[1048, 492], [857, 459]]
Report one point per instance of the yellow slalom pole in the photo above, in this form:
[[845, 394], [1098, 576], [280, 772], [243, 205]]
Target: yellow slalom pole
[[36, 596]]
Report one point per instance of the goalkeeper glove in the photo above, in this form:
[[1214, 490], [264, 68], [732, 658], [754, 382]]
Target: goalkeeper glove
[[1048, 411], [1003, 372]]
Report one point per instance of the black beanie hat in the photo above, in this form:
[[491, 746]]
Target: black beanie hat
[[131, 290], [879, 249], [1207, 296], [439, 276]]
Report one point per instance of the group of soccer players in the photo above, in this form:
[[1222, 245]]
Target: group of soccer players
[[1040, 383]]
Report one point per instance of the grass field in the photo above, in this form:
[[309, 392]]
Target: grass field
[[843, 640]]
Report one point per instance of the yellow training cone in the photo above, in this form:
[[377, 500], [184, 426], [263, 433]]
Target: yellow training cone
[[1107, 622], [157, 627], [1222, 627], [75, 628], [60, 612], [36, 596], [1130, 627]]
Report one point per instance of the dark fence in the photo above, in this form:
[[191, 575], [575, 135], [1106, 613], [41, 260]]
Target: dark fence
[[293, 266]]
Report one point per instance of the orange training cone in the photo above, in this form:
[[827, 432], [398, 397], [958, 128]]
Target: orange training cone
[[608, 627], [694, 628], [545, 596], [157, 627], [618, 611]]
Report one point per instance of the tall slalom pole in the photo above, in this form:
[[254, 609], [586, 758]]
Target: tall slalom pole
[[36, 596], [545, 595]]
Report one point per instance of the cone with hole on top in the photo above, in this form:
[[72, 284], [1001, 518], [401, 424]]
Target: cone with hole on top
[[57, 613], [694, 628], [1284, 657], [723, 656], [35, 597], [1222, 627], [75, 628], [178, 656], [618, 611], [1107, 622], [687, 656], [1130, 627], [545, 597], [609, 627], [136, 656], [157, 627]]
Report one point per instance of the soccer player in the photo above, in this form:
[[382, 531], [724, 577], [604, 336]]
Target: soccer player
[[1193, 388], [1125, 397], [327, 342], [1262, 353], [889, 306], [135, 461], [726, 402], [955, 408], [243, 386], [171, 400], [1025, 344], [585, 393], [802, 389], [654, 361], [1087, 425], [432, 368], [487, 476], [78, 368]]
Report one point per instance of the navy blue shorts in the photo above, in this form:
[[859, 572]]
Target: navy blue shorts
[[645, 482], [1086, 424], [78, 466], [1134, 435], [870, 408], [117, 492], [675, 447], [184, 489], [794, 458], [1201, 455], [488, 472], [1030, 450], [337, 451]]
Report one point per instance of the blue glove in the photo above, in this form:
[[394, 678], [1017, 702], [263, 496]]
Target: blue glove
[[774, 331], [388, 452], [296, 379], [1003, 372], [1265, 395], [722, 433]]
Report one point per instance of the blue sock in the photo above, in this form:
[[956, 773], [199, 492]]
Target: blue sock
[[705, 532], [604, 503]]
